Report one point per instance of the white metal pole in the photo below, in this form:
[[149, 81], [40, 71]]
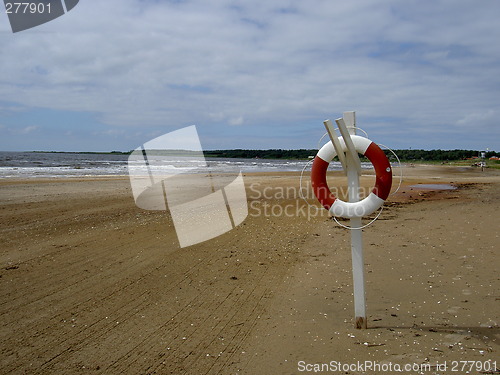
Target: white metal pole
[[358, 269]]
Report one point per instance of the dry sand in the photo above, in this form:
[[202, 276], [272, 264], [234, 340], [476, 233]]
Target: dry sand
[[90, 283]]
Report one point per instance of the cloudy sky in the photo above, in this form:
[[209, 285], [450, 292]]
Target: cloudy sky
[[110, 75]]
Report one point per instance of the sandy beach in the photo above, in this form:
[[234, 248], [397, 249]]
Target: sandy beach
[[92, 284]]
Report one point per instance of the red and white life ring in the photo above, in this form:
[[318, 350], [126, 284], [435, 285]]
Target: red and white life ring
[[374, 200]]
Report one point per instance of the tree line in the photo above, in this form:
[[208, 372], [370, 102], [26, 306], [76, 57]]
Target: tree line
[[405, 155]]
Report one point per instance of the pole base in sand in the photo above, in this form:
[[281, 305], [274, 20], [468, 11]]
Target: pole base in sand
[[361, 322]]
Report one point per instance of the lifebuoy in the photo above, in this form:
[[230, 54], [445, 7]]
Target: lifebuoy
[[374, 200]]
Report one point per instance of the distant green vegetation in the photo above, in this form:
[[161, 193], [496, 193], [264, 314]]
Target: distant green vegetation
[[404, 155], [261, 154]]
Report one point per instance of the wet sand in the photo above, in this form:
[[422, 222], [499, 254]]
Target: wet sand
[[90, 283]]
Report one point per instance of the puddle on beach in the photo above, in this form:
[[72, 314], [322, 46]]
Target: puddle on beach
[[434, 186]]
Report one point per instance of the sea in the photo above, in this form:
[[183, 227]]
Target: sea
[[55, 165]]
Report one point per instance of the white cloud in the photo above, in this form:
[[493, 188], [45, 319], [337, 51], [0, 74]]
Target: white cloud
[[479, 119], [29, 129], [261, 64], [236, 120], [22, 131]]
